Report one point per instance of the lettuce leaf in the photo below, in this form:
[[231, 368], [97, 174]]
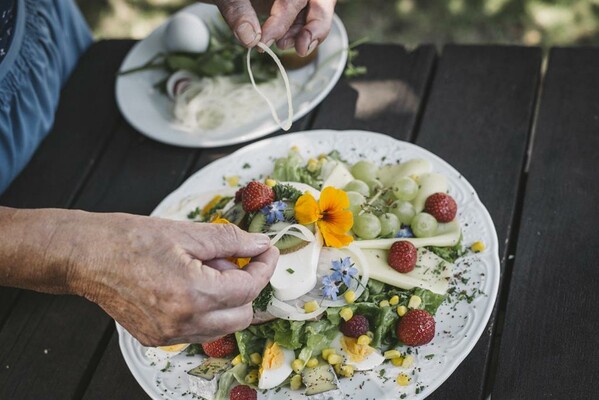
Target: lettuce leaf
[[228, 379]]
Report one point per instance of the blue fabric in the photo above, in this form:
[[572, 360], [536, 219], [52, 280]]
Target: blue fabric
[[49, 37], [8, 11]]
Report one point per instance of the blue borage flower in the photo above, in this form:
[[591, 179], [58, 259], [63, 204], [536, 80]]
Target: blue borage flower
[[329, 287], [344, 270], [405, 232], [274, 212]]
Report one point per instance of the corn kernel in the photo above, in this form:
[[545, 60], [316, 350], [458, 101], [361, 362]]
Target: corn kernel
[[311, 306], [414, 302], [251, 377], [337, 368], [350, 296], [391, 354], [403, 380], [312, 165], [327, 352], [270, 182], [297, 365], [408, 361], [384, 303], [294, 148], [397, 361], [296, 382], [402, 310], [312, 363], [232, 180], [256, 358], [236, 360], [478, 246], [334, 359], [347, 371], [364, 340], [346, 313], [322, 156], [394, 300]]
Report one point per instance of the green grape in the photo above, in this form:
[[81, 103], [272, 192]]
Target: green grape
[[390, 225], [374, 185], [367, 226], [405, 189], [403, 210], [364, 170], [358, 186], [424, 225], [355, 201]]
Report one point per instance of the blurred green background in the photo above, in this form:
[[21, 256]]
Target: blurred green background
[[411, 22]]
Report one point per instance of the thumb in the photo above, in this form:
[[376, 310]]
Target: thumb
[[242, 19], [225, 240]]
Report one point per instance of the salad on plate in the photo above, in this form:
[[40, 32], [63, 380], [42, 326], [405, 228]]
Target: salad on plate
[[369, 253]]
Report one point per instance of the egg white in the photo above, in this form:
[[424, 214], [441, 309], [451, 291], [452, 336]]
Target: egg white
[[271, 378], [369, 362], [160, 354], [186, 32]]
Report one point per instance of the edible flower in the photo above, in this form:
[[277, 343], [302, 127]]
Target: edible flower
[[329, 287], [405, 232], [344, 270], [330, 213], [274, 212], [239, 261]]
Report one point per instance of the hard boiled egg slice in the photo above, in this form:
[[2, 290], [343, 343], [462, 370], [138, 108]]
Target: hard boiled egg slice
[[276, 365], [361, 357], [186, 33], [163, 353]]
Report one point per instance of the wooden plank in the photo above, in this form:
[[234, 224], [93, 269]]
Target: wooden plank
[[549, 345], [477, 118], [387, 99]]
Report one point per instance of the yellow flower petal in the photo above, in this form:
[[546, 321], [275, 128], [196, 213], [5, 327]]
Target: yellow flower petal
[[332, 200], [306, 209], [219, 220], [341, 220], [333, 237]]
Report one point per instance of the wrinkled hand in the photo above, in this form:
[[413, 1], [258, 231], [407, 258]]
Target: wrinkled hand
[[169, 282], [300, 23]]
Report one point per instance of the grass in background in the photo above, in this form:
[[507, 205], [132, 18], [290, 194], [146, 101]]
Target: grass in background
[[410, 22]]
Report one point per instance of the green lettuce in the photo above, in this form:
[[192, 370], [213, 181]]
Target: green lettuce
[[292, 169], [228, 379]]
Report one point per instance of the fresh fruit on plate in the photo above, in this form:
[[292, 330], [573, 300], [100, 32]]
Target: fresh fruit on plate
[[223, 347], [416, 328]]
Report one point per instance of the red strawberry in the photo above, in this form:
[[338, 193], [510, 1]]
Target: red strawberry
[[220, 348], [441, 206], [255, 196], [402, 256], [416, 327], [243, 392], [238, 195]]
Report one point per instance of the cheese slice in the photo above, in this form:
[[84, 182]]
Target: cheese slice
[[431, 272], [447, 235], [339, 176], [429, 184]]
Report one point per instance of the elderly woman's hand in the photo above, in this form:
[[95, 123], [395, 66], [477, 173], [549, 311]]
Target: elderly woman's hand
[[300, 23]]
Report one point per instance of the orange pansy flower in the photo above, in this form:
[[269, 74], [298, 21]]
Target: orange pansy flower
[[330, 214]]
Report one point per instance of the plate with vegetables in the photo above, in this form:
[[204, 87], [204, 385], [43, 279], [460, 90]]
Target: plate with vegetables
[[187, 83], [388, 272]]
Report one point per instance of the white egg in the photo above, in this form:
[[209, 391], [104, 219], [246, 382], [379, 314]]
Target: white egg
[[276, 366], [186, 33], [160, 354], [362, 358]]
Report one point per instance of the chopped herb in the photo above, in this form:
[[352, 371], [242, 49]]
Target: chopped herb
[[286, 192], [382, 372], [290, 270], [450, 254], [246, 166], [193, 350], [166, 368], [429, 356], [194, 214], [261, 302]]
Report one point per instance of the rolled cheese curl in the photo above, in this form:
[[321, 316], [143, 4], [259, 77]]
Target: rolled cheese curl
[[287, 124]]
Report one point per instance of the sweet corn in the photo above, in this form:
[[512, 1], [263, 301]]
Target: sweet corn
[[397, 361], [312, 165], [350, 296], [408, 361], [347, 371], [236, 360], [251, 377], [391, 354], [232, 180], [334, 359], [256, 358], [478, 246], [384, 303], [297, 365], [402, 310], [311, 306], [296, 382], [346, 313], [327, 352], [270, 182], [337, 368], [403, 380], [414, 302], [313, 362], [394, 300], [364, 340]]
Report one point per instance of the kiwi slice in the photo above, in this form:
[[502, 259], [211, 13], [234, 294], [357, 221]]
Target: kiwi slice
[[287, 243], [236, 215]]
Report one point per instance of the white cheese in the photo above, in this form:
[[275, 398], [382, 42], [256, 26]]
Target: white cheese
[[429, 184], [339, 177], [388, 174]]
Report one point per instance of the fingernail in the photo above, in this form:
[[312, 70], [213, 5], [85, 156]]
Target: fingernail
[[246, 33], [312, 46], [261, 240]]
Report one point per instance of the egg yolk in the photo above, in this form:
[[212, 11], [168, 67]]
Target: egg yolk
[[273, 357], [357, 352], [173, 348]]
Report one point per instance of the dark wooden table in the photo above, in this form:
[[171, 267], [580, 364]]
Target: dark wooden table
[[524, 133]]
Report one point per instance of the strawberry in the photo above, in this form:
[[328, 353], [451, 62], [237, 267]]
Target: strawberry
[[220, 348], [256, 195], [441, 206], [357, 326], [243, 392], [238, 196], [416, 327], [402, 256]]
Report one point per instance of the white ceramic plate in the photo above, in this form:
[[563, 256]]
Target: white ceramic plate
[[459, 323], [150, 112]]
